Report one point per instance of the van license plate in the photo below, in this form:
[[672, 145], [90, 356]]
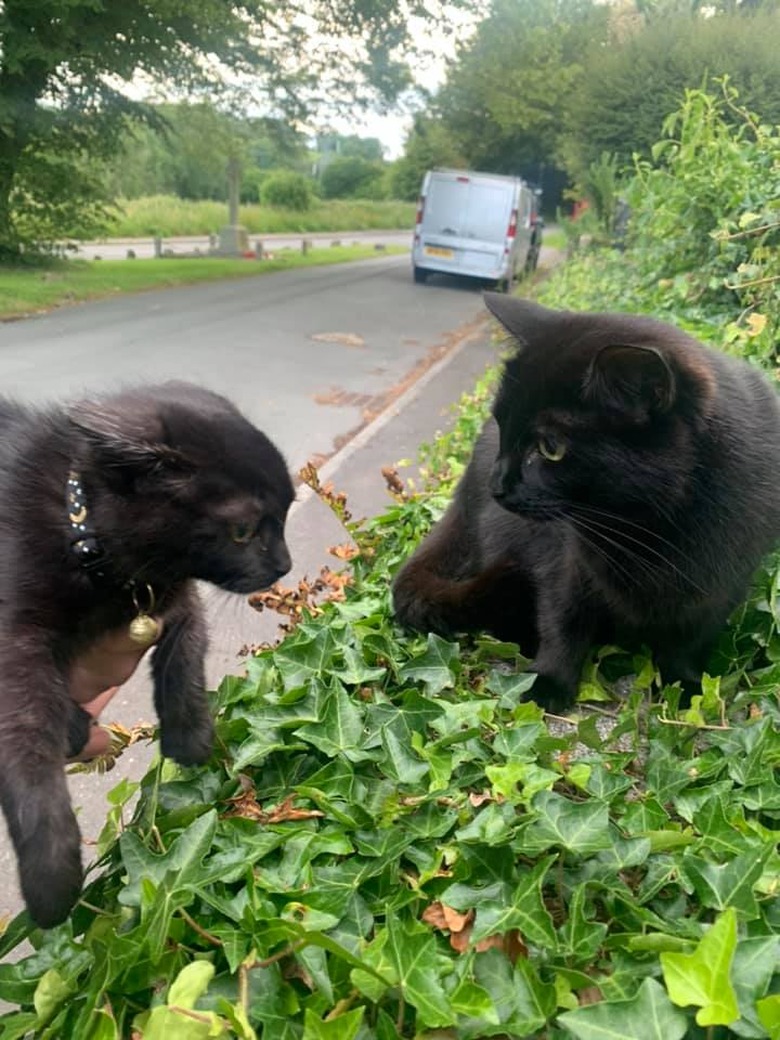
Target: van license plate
[[439, 251]]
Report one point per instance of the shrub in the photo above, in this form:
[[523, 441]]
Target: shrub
[[352, 177], [287, 190]]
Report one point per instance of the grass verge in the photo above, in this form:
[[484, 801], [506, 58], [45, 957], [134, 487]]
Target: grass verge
[[32, 290], [168, 216]]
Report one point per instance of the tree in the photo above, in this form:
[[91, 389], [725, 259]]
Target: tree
[[428, 144], [350, 176], [174, 160], [66, 66], [369, 148], [506, 90], [628, 87]]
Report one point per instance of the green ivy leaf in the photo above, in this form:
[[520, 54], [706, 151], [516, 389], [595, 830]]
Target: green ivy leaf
[[354, 671], [509, 687], [411, 950], [720, 885], [520, 781], [342, 1027], [405, 956], [523, 1002], [190, 984], [340, 728], [307, 655], [179, 867], [436, 667], [400, 761], [50, 993], [581, 936], [768, 1010], [579, 827], [500, 909], [755, 962], [650, 1015], [473, 1001], [702, 978]]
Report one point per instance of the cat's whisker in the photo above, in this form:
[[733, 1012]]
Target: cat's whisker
[[607, 515], [631, 578], [602, 553], [649, 568], [647, 548]]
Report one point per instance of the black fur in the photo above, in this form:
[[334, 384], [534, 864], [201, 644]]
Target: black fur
[[166, 471], [647, 530]]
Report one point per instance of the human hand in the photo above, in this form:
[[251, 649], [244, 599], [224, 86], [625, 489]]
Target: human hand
[[94, 679]]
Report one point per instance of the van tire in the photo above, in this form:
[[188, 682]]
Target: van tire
[[420, 274], [506, 285]]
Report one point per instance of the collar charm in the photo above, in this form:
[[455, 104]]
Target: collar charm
[[144, 629]]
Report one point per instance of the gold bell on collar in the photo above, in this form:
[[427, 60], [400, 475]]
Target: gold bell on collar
[[144, 630]]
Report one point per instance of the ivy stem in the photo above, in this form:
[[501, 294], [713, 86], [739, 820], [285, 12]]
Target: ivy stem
[[399, 1019], [209, 938], [343, 1005], [286, 952]]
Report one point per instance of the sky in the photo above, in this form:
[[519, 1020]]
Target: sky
[[392, 128]]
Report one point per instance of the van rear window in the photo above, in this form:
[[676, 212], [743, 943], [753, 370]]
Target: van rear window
[[470, 209]]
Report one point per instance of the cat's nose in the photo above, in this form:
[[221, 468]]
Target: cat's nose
[[498, 482], [282, 559]]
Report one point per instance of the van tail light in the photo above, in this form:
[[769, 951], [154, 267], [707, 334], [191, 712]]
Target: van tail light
[[511, 231], [418, 218]]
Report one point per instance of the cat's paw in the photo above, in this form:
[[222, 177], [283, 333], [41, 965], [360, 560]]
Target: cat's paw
[[551, 694], [80, 724], [50, 871], [419, 614], [189, 745]]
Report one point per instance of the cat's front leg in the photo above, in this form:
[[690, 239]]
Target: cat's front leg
[[567, 624], [34, 711], [186, 726], [683, 658]]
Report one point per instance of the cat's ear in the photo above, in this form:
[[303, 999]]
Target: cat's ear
[[131, 436], [524, 320], [637, 381]]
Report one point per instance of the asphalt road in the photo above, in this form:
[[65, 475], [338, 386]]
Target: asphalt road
[[391, 359], [307, 354]]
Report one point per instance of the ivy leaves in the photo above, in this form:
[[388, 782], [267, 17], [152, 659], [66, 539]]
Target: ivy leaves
[[388, 843]]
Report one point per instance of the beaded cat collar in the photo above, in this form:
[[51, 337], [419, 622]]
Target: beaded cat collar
[[83, 541], [143, 629]]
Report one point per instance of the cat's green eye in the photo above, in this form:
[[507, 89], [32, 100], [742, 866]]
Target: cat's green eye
[[242, 532], [551, 448]]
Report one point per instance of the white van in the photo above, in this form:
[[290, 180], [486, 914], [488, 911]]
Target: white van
[[481, 225]]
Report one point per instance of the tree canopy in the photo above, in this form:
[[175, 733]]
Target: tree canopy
[[546, 88], [69, 68], [627, 89], [509, 84]]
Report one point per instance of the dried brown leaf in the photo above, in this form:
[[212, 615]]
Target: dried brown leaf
[[344, 552], [247, 807]]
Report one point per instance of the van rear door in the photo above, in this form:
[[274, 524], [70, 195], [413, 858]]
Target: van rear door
[[464, 224]]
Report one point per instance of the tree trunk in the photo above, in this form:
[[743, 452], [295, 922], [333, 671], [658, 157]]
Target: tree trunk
[[9, 158]]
